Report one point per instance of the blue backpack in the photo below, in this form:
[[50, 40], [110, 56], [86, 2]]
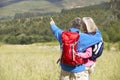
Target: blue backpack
[[97, 50]]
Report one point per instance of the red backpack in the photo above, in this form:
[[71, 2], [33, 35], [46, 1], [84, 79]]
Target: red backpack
[[69, 49]]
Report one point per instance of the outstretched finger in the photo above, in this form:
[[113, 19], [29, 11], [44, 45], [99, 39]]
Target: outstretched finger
[[51, 19]]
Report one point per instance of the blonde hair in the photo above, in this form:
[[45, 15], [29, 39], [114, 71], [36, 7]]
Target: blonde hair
[[90, 24]]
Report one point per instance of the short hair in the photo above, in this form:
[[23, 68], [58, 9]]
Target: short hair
[[90, 24], [76, 22]]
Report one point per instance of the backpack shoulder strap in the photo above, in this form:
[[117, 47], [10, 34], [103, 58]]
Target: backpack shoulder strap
[[97, 47], [97, 50]]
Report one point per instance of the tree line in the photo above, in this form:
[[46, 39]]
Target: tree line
[[37, 29]]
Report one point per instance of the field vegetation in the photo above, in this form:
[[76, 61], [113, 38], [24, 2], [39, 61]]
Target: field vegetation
[[38, 62]]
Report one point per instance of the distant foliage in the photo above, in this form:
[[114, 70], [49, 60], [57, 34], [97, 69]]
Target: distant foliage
[[37, 29], [115, 6]]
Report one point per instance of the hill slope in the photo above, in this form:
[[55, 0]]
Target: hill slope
[[11, 7], [36, 29]]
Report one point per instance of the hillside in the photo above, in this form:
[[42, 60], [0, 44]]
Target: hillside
[[36, 29], [11, 7]]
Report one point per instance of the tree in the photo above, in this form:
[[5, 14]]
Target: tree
[[114, 4]]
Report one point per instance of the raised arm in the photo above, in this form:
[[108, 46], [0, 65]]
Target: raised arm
[[56, 30]]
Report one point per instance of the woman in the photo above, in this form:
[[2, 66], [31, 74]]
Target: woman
[[90, 28]]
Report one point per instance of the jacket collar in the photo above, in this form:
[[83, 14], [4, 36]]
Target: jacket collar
[[74, 30]]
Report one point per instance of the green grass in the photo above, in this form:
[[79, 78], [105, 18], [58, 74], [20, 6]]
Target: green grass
[[38, 62]]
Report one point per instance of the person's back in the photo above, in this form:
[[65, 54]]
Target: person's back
[[90, 28], [57, 32]]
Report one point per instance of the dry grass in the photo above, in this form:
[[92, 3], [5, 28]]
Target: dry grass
[[108, 66], [35, 62], [28, 62]]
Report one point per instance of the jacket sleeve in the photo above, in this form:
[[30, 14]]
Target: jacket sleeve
[[87, 40], [56, 31], [87, 53]]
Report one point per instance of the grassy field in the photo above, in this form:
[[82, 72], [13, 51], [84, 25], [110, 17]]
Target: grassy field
[[38, 62]]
